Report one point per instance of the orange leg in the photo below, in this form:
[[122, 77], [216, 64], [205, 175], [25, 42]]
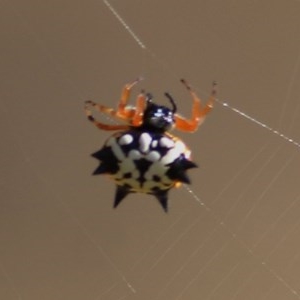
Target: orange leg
[[124, 111], [103, 109], [141, 103], [132, 115], [198, 112]]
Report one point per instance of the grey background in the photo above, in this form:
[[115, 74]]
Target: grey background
[[236, 236]]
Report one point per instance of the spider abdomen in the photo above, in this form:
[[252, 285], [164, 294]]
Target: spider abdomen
[[144, 162]]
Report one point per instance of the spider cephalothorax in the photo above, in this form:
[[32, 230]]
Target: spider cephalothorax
[[143, 157], [158, 117]]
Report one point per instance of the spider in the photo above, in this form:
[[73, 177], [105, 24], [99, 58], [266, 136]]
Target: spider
[[142, 156]]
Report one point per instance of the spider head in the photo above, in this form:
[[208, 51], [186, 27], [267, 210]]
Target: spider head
[[157, 117]]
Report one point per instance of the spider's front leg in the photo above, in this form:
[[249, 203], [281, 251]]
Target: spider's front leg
[[124, 111], [198, 112]]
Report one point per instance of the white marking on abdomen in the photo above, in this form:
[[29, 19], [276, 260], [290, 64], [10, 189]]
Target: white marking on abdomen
[[116, 148], [154, 144], [126, 139], [134, 154], [166, 142], [170, 156], [153, 156], [145, 141]]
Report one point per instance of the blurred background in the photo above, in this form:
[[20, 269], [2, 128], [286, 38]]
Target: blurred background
[[234, 234]]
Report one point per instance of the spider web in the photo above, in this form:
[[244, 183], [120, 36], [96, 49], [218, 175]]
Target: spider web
[[233, 234]]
